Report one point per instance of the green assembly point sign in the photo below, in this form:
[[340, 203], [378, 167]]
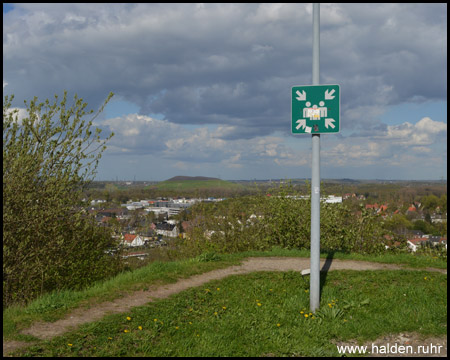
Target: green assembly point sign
[[315, 109]]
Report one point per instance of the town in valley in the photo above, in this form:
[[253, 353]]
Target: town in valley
[[146, 215]]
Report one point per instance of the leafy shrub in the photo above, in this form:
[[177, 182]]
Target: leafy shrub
[[48, 242], [261, 222], [434, 251]]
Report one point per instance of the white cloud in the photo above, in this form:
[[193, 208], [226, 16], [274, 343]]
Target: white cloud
[[402, 144], [396, 146], [233, 162], [422, 133], [231, 66], [139, 134], [428, 125], [18, 114], [355, 152]]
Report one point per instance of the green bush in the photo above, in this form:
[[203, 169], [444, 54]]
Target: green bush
[[261, 222], [48, 242]]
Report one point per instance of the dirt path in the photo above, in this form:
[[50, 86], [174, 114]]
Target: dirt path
[[46, 331]]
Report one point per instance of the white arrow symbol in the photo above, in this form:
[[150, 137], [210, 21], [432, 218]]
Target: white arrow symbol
[[329, 122], [329, 95], [301, 123], [301, 95]]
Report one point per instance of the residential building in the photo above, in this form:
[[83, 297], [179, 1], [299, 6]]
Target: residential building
[[133, 240], [165, 229]]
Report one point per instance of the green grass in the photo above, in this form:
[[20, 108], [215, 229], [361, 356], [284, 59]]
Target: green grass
[[264, 313], [54, 306]]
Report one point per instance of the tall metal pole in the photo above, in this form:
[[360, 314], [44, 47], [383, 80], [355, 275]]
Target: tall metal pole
[[314, 288]]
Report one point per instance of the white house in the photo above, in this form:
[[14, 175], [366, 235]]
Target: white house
[[133, 240], [415, 243], [166, 229]]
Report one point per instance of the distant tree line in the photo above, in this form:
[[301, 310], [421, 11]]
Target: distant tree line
[[395, 193]]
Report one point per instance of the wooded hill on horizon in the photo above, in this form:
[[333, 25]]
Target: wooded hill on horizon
[[196, 178], [182, 183]]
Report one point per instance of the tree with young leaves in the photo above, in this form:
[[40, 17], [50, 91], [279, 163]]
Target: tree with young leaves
[[49, 241], [284, 219]]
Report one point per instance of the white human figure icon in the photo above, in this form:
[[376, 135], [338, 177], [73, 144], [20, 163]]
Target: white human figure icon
[[305, 109], [323, 110]]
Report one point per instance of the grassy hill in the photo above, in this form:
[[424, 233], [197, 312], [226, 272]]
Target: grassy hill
[[255, 314], [193, 183]]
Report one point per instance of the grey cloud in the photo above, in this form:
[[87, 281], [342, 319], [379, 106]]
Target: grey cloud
[[227, 64]]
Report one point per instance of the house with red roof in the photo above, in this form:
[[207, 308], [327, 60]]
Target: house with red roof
[[372, 206], [415, 243], [377, 208], [133, 240]]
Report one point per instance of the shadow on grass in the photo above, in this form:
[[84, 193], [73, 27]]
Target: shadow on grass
[[324, 271]]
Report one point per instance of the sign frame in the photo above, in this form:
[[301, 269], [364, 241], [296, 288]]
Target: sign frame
[[315, 109]]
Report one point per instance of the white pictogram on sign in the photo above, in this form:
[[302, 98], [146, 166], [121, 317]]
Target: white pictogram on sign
[[329, 95], [301, 95]]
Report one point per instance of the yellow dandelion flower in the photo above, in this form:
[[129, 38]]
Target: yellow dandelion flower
[[128, 318], [306, 315], [177, 327], [155, 320], [140, 327], [278, 324], [301, 312], [218, 289], [259, 304], [306, 291], [190, 322], [69, 344], [109, 338], [126, 331], [224, 307], [270, 289], [215, 313]]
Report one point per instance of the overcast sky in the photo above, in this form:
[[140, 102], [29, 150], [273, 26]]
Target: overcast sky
[[205, 89]]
